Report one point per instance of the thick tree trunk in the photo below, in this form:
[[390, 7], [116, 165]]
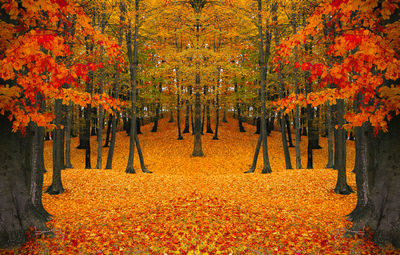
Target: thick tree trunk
[[36, 182], [18, 213], [364, 134], [138, 125], [381, 213], [56, 186], [341, 184]]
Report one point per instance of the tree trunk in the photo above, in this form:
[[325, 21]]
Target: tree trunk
[[87, 133], [364, 133], [381, 213], [100, 134], [110, 155], [216, 118], [171, 119], [56, 186], [341, 184], [330, 136], [178, 117], [254, 164], [18, 213], [298, 130], [209, 129], [141, 159], [68, 163], [263, 76], [289, 132], [116, 118], [197, 148], [203, 120], [132, 57], [224, 117], [186, 130], [36, 182], [192, 118], [138, 125], [155, 125], [258, 125], [107, 142]]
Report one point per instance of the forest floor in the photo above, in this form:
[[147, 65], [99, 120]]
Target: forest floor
[[199, 205]]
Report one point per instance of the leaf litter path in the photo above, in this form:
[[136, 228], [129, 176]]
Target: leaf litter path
[[199, 205]]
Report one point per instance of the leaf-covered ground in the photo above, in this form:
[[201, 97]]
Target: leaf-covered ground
[[199, 205]]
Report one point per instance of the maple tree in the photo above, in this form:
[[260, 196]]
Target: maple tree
[[359, 43], [35, 70]]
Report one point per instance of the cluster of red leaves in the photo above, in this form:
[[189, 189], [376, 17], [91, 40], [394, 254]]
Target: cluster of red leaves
[[199, 205]]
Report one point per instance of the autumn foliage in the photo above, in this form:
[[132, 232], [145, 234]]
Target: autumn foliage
[[202, 206], [355, 55], [40, 59]]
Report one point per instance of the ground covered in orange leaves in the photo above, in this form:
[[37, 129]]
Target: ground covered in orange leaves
[[199, 205]]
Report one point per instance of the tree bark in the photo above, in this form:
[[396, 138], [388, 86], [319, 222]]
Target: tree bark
[[330, 136], [178, 116], [56, 186], [116, 118], [254, 164], [216, 116], [186, 130], [18, 213], [132, 56], [381, 213], [68, 163], [107, 142], [341, 184], [289, 132], [263, 76], [197, 148]]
